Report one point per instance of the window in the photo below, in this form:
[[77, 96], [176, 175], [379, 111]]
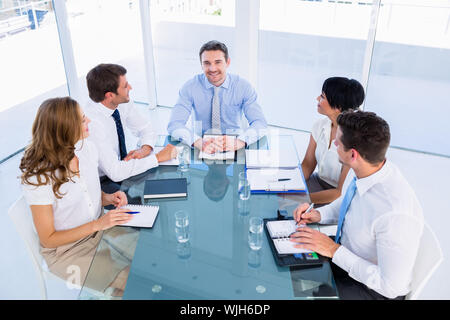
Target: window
[[409, 82], [31, 67], [301, 43], [179, 29]]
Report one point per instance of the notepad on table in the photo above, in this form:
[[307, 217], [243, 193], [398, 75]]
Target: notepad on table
[[279, 231], [145, 218], [165, 188], [270, 159], [268, 179]]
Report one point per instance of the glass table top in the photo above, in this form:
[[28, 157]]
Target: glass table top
[[216, 262]]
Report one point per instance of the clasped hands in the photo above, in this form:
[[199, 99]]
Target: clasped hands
[[219, 144], [308, 238]]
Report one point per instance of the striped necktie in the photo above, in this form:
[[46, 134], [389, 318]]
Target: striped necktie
[[349, 194], [120, 134], [215, 115]]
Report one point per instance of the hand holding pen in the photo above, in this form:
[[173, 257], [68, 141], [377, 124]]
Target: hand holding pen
[[305, 214]]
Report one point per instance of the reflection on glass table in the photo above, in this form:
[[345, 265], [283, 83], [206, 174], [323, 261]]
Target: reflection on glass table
[[215, 262]]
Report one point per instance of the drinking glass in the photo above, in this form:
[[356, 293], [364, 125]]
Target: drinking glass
[[182, 226], [255, 233], [244, 186], [184, 156]]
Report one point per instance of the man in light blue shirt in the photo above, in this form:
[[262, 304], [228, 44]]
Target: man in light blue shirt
[[217, 101]]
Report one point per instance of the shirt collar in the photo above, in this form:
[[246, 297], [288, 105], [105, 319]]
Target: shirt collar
[[364, 184], [209, 85], [107, 112]]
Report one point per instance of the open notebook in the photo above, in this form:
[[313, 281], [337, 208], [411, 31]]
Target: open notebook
[[267, 179], [279, 231], [145, 219], [270, 159]]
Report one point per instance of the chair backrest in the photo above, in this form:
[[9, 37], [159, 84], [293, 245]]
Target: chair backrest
[[429, 257], [20, 214]]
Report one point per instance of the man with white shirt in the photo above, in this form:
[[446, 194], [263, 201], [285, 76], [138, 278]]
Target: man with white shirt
[[379, 218], [110, 112], [217, 101]]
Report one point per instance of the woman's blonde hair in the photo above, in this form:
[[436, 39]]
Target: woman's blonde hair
[[56, 129]]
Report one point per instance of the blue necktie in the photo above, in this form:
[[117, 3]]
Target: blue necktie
[[120, 134], [344, 207]]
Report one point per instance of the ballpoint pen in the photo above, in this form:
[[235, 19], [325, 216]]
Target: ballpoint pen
[[307, 210], [132, 212]]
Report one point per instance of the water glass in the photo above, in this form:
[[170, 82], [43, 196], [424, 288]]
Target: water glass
[[244, 186], [182, 226], [255, 233], [184, 156]]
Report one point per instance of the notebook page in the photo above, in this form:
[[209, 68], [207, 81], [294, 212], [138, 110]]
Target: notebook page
[[270, 159], [267, 179], [286, 246], [145, 218], [281, 228]]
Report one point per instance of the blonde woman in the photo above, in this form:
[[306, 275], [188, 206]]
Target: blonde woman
[[61, 184]]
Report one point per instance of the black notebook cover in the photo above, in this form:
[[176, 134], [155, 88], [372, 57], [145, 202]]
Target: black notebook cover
[[165, 188]]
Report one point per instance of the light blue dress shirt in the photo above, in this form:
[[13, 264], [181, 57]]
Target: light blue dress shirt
[[236, 96]]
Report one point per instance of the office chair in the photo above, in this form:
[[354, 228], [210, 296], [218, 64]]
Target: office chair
[[429, 257], [21, 216]]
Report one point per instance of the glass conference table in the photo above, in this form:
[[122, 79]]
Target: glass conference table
[[216, 262]]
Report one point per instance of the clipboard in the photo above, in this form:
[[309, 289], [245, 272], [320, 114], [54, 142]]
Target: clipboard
[[312, 259], [282, 190]]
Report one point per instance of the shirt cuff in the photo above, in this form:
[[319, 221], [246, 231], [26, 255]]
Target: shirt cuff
[[327, 215], [153, 162], [344, 258]]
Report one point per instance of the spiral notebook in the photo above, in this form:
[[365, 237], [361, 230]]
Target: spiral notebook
[[279, 232], [145, 218]]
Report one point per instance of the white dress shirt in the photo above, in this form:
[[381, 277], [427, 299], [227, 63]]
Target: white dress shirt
[[381, 231], [81, 201], [328, 165], [103, 132]]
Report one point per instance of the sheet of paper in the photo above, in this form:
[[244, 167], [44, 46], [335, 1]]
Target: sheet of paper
[[281, 228], [286, 246], [270, 159], [145, 218], [267, 179]]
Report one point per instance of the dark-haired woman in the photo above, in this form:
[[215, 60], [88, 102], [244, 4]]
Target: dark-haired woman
[[338, 95], [61, 184]]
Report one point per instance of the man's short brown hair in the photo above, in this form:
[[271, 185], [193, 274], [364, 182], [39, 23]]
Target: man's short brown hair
[[102, 79], [365, 132]]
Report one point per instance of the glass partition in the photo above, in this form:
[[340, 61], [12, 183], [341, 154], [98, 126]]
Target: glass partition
[[105, 31], [409, 83], [301, 43], [179, 29], [31, 67]]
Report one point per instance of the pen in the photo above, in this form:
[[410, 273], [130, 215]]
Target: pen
[[307, 210], [133, 212], [284, 179]]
